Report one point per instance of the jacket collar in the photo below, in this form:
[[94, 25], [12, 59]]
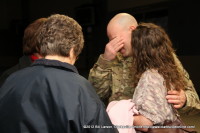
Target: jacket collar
[[120, 58], [56, 64]]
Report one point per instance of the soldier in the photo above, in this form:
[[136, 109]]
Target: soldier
[[112, 74]]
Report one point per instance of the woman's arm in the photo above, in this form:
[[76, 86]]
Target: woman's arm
[[141, 121]]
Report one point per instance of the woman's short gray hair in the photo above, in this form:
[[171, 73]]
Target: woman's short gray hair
[[59, 34]]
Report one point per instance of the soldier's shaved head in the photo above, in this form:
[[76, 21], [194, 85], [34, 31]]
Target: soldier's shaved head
[[123, 20]]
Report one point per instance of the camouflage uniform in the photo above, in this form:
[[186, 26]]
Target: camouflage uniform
[[113, 80]]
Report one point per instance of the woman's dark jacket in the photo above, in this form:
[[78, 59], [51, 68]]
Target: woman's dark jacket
[[51, 97]]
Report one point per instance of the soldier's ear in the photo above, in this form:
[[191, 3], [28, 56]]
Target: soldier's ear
[[132, 27]]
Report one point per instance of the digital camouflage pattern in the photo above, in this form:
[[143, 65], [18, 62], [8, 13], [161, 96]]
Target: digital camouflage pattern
[[113, 80]]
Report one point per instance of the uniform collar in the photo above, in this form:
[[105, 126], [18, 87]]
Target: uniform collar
[[121, 58]]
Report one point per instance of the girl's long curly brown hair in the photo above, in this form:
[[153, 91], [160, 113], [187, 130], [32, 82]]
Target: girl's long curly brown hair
[[152, 49]]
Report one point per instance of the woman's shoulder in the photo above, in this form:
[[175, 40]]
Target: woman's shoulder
[[152, 74]]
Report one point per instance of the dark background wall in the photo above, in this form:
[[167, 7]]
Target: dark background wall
[[180, 18]]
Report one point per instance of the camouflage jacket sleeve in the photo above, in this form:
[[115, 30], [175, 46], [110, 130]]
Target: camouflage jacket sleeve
[[192, 105], [101, 78]]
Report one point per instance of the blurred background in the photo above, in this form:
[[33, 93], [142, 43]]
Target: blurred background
[[180, 18]]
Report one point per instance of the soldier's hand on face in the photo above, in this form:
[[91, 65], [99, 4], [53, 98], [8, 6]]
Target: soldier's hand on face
[[177, 98], [112, 47]]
